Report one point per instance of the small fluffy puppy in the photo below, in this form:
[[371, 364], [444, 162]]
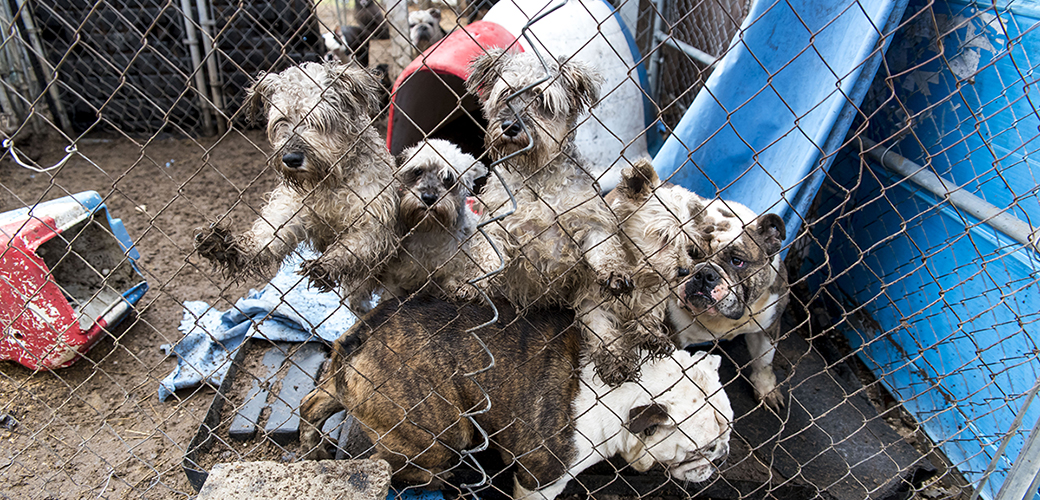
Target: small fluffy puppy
[[561, 245], [400, 373], [335, 170], [661, 229], [434, 180], [424, 29]]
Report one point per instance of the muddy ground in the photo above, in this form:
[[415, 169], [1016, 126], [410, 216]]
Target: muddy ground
[[97, 429]]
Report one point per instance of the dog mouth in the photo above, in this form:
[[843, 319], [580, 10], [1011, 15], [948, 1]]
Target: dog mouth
[[418, 215], [694, 471], [697, 300], [709, 293], [511, 144]]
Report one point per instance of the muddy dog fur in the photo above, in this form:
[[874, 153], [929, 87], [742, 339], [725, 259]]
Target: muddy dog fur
[[400, 372]]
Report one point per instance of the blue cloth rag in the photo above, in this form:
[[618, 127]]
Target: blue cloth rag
[[286, 310]]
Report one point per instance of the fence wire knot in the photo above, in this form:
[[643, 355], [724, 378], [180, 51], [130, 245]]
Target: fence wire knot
[[69, 151]]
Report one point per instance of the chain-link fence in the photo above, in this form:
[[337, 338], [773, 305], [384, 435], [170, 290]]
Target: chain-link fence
[[528, 271]]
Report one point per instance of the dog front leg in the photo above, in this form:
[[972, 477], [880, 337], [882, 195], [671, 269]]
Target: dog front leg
[[480, 258], [606, 256], [762, 349], [646, 326], [277, 232], [356, 256], [612, 353]]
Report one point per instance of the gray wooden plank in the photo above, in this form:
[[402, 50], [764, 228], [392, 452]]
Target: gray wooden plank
[[283, 425], [244, 425]]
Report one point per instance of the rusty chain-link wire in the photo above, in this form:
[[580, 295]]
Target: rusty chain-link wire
[[904, 343]]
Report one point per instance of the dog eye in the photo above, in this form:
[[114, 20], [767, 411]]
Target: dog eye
[[449, 179], [649, 431], [694, 253], [736, 261], [682, 271], [542, 103]]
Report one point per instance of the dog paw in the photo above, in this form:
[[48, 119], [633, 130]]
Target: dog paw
[[320, 276], [773, 399], [657, 344], [466, 293], [318, 451], [616, 367], [217, 244], [618, 284]]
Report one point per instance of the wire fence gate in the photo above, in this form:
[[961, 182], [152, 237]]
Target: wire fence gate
[[164, 159]]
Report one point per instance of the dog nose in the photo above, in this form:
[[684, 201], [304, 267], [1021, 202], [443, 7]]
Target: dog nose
[[706, 278], [429, 199], [720, 450], [511, 128], [293, 160]]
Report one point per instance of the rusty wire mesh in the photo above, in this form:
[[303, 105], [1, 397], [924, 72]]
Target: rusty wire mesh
[[906, 358]]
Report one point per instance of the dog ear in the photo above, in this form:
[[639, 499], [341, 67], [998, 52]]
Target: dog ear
[[257, 95], [639, 180], [711, 362], [771, 232], [358, 88], [582, 84], [474, 172], [483, 70], [644, 417], [436, 13]]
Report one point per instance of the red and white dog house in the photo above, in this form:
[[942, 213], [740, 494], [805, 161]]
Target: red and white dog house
[[67, 273]]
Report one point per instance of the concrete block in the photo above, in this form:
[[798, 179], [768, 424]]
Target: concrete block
[[309, 480]]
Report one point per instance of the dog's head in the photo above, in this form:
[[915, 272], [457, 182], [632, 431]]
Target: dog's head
[[685, 424], [435, 178], [661, 223], [424, 28], [738, 263], [315, 114], [548, 111]]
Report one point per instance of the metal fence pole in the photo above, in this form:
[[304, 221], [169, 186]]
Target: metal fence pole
[[211, 64], [652, 72], [50, 73], [196, 62]]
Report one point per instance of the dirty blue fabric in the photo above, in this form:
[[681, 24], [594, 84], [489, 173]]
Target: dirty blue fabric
[[287, 309]]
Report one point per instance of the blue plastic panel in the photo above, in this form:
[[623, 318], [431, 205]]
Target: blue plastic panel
[[956, 338], [779, 103]]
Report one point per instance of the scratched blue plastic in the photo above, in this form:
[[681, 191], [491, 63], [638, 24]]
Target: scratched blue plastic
[[780, 101], [956, 302]]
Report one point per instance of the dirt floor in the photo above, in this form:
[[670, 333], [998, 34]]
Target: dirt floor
[[97, 429]]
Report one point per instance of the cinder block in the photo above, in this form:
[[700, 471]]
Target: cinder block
[[309, 480]]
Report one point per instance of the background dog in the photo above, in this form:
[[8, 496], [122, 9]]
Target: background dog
[[399, 372], [334, 169], [434, 181], [369, 15], [561, 245], [351, 42], [737, 285], [424, 29]]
